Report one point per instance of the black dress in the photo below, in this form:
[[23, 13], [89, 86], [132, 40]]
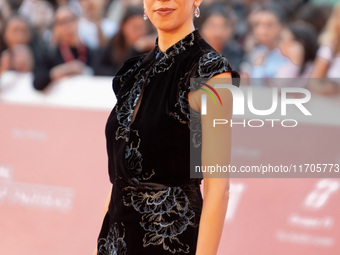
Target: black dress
[[155, 206]]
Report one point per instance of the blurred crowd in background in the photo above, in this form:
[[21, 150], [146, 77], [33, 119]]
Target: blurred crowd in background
[[262, 39]]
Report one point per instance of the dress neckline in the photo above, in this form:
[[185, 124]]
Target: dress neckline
[[177, 48]]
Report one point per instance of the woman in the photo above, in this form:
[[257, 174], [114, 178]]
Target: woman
[[154, 206]]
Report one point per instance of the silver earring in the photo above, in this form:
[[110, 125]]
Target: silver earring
[[197, 12], [145, 16]]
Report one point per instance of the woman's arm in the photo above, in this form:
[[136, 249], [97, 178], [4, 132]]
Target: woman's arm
[[216, 149], [213, 214], [106, 208]]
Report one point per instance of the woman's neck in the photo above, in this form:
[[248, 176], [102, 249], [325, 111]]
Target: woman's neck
[[168, 38]]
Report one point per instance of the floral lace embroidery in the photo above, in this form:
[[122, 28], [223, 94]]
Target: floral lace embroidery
[[134, 161], [165, 215], [212, 63], [114, 243]]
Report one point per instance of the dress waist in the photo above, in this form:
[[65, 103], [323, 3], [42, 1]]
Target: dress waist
[[129, 202], [191, 184]]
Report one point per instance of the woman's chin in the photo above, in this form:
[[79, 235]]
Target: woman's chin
[[166, 26]]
